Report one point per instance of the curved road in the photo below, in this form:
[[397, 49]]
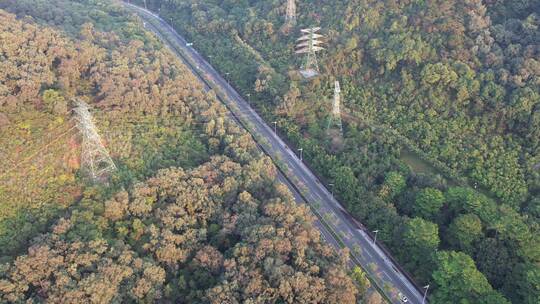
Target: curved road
[[336, 225]]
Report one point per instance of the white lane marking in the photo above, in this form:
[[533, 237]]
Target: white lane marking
[[367, 252]]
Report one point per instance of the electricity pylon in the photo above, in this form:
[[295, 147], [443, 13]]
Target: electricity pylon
[[94, 156], [335, 117], [290, 16], [310, 44]]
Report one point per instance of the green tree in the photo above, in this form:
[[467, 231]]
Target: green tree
[[458, 281], [439, 73], [394, 184], [420, 241], [464, 231], [531, 286], [359, 276], [494, 260], [428, 202]]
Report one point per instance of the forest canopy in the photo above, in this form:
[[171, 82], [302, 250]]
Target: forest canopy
[[208, 234], [441, 112], [440, 149], [194, 212]]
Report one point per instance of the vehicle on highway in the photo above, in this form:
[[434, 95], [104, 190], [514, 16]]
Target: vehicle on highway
[[403, 298]]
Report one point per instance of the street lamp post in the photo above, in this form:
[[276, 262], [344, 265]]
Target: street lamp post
[[248, 96], [275, 126], [375, 238], [425, 293], [227, 77], [301, 153], [331, 188]]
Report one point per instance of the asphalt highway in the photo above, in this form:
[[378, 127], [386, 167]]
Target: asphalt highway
[[337, 227]]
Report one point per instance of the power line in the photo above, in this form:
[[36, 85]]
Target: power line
[[55, 139], [212, 116], [50, 132], [37, 152], [88, 123]]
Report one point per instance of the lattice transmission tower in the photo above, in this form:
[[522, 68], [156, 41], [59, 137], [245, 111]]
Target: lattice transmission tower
[[94, 157], [335, 117], [310, 44], [290, 16]]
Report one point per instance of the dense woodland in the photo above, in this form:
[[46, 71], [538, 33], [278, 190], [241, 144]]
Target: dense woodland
[[220, 233], [43, 71], [193, 214], [456, 83]]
